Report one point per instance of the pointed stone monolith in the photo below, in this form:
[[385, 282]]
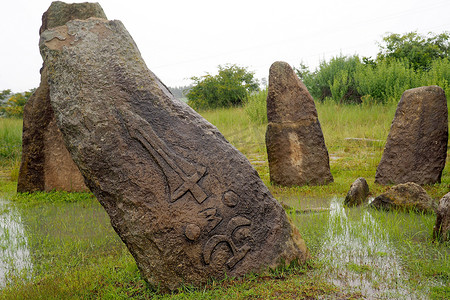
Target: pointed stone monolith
[[295, 145]]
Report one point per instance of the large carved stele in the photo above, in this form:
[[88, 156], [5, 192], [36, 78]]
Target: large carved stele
[[187, 204]]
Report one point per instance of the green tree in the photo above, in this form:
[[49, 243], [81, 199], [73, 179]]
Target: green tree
[[13, 107], [230, 87], [419, 50], [3, 95]]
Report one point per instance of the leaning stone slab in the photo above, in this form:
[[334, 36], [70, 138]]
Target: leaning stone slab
[[358, 193], [405, 196], [295, 145], [46, 164], [441, 230], [187, 204], [416, 147]]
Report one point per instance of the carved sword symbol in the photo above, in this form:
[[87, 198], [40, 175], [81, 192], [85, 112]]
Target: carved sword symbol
[[161, 153]]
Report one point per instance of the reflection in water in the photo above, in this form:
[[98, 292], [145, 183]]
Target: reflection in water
[[53, 238], [14, 252], [360, 255], [306, 204]]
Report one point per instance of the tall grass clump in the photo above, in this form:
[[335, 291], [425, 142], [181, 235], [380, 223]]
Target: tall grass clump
[[333, 79], [439, 74], [386, 81], [256, 107], [236, 126], [10, 145]]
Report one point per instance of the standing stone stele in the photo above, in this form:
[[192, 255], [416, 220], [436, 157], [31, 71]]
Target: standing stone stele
[[295, 145], [416, 147], [46, 164], [441, 230], [187, 204]]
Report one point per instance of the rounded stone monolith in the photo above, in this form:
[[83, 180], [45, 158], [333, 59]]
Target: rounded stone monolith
[[187, 204], [295, 145], [416, 147]]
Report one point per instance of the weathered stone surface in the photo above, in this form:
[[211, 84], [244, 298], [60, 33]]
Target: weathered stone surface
[[59, 13], [416, 147], [187, 204], [441, 230], [46, 164], [358, 193], [295, 145], [405, 196]]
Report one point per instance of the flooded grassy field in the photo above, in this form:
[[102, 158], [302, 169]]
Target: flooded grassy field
[[374, 253], [62, 246], [50, 238], [368, 253]]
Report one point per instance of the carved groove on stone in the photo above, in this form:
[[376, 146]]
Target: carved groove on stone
[[237, 222], [238, 253], [210, 214], [161, 153]]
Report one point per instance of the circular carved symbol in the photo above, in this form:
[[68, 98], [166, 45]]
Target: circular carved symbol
[[192, 232], [230, 199]]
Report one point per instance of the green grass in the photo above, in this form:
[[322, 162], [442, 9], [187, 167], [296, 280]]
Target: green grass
[[10, 147], [355, 136], [77, 255], [53, 197]]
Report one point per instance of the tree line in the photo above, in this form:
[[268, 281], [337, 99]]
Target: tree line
[[404, 61]]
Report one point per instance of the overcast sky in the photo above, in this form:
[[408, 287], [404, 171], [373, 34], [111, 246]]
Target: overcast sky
[[180, 38]]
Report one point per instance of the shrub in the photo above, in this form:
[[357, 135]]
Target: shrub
[[334, 79], [256, 107], [228, 88], [386, 81], [404, 62], [439, 74]]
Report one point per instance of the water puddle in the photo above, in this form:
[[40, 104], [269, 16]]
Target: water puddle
[[353, 249], [360, 255], [14, 251], [306, 204], [39, 239]]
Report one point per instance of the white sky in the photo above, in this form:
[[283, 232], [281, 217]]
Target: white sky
[[180, 38]]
